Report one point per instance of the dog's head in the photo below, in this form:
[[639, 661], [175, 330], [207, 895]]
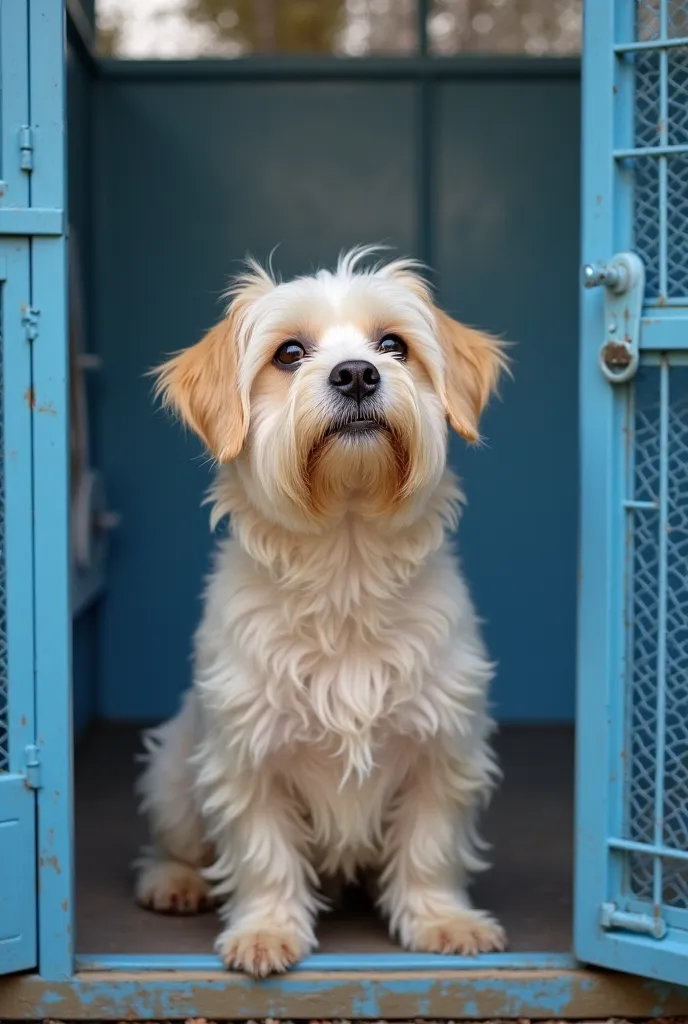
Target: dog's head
[[335, 388]]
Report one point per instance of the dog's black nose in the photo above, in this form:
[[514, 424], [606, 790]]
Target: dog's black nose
[[355, 378]]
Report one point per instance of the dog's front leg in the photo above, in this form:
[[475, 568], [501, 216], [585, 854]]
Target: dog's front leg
[[272, 907], [429, 848]]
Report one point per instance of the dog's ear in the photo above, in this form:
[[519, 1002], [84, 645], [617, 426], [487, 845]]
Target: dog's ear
[[474, 363], [201, 385]]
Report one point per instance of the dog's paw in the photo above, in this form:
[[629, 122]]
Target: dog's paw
[[463, 933], [171, 888], [260, 951]]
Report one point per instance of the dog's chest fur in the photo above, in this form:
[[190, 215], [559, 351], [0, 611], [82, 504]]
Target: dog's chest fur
[[331, 659]]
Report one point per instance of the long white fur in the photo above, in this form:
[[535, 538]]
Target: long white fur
[[338, 720]]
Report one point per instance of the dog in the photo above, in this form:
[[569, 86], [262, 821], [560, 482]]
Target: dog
[[338, 723]]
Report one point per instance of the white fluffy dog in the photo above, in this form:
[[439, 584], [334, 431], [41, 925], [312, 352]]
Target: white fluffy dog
[[337, 723]]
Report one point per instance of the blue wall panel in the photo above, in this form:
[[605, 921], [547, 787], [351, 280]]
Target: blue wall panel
[[193, 174], [507, 253], [80, 151]]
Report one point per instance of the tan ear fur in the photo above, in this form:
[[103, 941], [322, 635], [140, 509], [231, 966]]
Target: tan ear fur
[[201, 385], [474, 363]]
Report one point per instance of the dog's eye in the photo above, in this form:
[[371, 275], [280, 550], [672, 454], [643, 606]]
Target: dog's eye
[[289, 354], [392, 345]]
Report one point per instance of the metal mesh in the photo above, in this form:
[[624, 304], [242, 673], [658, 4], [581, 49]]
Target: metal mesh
[[660, 179], [677, 98], [646, 219], [657, 780], [677, 226], [647, 116], [4, 731], [648, 19]]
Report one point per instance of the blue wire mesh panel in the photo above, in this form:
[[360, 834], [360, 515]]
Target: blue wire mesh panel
[[657, 654], [677, 96], [632, 777], [4, 725], [646, 219], [660, 179], [677, 225], [649, 19]]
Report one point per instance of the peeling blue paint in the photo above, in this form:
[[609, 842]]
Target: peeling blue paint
[[368, 1006], [551, 994], [420, 985], [462, 994], [52, 997]]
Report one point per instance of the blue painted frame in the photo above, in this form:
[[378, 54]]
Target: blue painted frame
[[17, 801], [607, 425], [366, 986], [51, 495], [338, 963], [355, 994]]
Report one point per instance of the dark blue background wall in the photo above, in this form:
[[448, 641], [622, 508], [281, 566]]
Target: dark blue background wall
[[189, 175], [80, 97]]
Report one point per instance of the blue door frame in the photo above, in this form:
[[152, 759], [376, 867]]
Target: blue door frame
[[52, 602], [18, 940], [364, 986], [632, 779], [35, 695]]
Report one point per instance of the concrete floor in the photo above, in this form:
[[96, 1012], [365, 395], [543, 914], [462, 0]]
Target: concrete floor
[[530, 826]]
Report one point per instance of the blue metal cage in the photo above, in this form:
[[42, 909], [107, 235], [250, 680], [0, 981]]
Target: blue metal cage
[[633, 627], [655, 829], [631, 900]]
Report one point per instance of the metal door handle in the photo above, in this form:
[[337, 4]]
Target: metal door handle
[[623, 280], [611, 276]]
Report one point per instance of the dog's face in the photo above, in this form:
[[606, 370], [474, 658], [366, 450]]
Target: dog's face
[[334, 389]]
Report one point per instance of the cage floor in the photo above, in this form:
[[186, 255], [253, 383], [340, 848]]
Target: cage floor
[[529, 887]]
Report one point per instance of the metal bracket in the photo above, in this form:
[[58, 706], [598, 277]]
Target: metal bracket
[[26, 148], [30, 322], [32, 760], [624, 289], [643, 924], [31, 221]]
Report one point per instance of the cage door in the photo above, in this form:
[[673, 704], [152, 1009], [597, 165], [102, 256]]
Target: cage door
[[631, 903], [18, 757]]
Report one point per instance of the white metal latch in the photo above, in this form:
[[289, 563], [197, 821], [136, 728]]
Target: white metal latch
[[643, 924], [32, 756], [624, 289]]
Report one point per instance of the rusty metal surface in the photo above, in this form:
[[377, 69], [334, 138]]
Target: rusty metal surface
[[471, 995]]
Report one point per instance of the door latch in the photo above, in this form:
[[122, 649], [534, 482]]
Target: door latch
[[643, 924], [623, 280], [32, 757]]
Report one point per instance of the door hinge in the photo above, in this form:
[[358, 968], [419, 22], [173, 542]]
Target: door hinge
[[26, 148], [643, 924], [30, 322], [32, 761], [623, 280]]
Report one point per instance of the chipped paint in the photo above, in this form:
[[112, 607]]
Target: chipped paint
[[51, 862], [476, 994]]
